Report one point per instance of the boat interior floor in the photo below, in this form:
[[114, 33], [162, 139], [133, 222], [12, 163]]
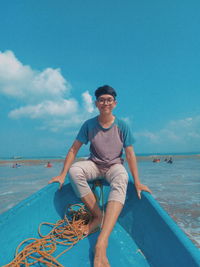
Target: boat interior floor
[[121, 252]]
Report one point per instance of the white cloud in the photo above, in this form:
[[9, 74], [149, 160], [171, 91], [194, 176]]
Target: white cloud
[[21, 81], [184, 129], [46, 108], [128, 120], [45, 95], [88, 103], [57, 124], [181, 134], [152, 137]]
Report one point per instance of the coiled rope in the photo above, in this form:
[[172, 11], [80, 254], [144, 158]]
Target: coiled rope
[[66, 232]]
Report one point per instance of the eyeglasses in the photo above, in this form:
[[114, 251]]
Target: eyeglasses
[[105, 100]]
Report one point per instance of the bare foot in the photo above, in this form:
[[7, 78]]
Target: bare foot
[[93, 225], [100, 258]]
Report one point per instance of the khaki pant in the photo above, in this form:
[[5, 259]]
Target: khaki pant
[[82, 172]]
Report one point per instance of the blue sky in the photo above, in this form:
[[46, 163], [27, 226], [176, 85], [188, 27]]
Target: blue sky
[[54, 54]]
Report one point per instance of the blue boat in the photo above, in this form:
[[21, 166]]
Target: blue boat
[[145, 235]]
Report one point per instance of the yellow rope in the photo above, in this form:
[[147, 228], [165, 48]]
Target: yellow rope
[[66, 232]]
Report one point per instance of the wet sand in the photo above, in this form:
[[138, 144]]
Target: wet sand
[[164, 156], [30, 162], [56, 160]]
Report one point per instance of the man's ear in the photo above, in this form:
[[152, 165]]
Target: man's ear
[[96, 103]]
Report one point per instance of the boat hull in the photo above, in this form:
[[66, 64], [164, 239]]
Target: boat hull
[[144, 236]]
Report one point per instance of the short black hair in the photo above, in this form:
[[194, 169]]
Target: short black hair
[[105, 90]]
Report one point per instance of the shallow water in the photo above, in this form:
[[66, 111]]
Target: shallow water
[[176, 186], [18, 183]]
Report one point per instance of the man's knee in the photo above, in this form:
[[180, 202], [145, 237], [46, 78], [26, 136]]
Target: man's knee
[[75, 172], [119, 187], [121, 180]]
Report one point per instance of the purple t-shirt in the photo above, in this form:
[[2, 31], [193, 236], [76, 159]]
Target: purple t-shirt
[[106, 144]]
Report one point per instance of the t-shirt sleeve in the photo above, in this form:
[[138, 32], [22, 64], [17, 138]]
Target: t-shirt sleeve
[[82, 135], [128, 138]]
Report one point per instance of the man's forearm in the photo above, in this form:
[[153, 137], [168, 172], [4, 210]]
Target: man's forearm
[[71, 155], [133, 168], [132, 163]]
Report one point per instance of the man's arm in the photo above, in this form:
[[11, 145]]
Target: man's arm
[[67, 164], [132, 163]]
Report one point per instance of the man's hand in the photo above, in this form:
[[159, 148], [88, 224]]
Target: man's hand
[[58, 179], [140, 187]]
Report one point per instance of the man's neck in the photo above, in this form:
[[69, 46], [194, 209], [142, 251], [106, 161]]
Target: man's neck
[[106, 120]]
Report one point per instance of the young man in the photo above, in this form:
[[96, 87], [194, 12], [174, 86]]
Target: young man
[[108, 136]]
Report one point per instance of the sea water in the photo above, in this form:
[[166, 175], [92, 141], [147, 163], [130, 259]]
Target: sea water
[[176, 186]]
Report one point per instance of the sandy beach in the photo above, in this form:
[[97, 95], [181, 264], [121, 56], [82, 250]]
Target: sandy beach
[[30, 162], [162, 157]]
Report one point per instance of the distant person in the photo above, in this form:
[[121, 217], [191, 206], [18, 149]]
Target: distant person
[[170, 160], [108, 136], [156, 160], [16, 165], [49, 165]]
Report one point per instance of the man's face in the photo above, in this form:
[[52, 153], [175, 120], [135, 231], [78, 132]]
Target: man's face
[[105, 103]]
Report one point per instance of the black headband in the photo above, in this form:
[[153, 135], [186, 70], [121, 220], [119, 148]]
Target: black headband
[[105, 90]]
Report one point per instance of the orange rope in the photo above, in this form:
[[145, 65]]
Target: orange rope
[[64, 232]]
